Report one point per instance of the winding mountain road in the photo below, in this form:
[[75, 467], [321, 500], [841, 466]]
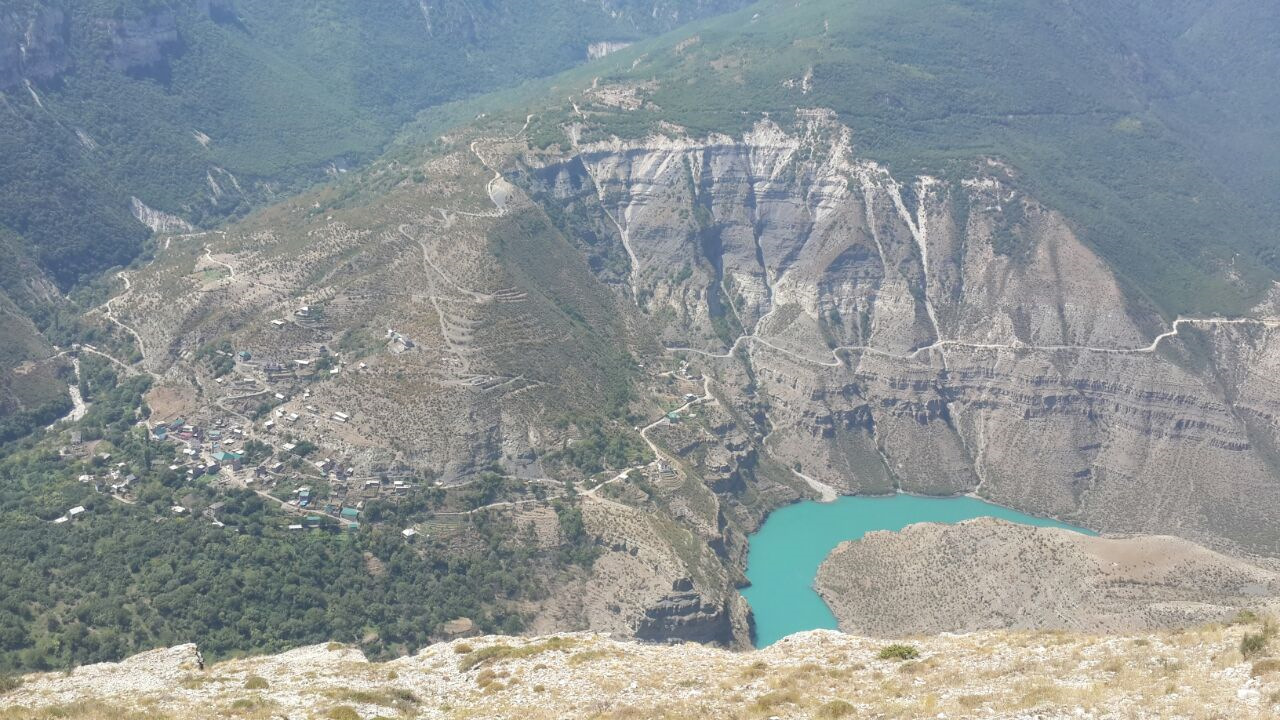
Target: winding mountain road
[[109, 313], [943, 344]]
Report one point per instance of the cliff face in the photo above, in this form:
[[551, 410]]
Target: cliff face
[[1196, 673], [33, 46], [143, 44], [929, 335]]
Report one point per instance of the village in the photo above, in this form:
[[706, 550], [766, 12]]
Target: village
[[262, 449], [259, 426]]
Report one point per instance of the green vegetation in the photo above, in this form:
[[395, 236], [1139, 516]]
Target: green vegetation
[[276, 90], [1252, 644], [603, 447], [577, 547], [898, 651], [127, 577], [403, 700]]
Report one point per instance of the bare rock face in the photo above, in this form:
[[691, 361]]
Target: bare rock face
[[158, 220], [686, 615], [145, 43], [926, 334], [33, 46], [987, 573]]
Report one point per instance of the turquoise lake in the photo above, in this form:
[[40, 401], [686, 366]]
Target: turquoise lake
[[785, 553]]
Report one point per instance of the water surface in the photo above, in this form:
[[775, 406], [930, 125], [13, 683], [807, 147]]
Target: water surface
[[785, 553]]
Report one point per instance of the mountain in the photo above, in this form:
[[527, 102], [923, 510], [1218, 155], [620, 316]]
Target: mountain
[[581, 336], [126, 117], [818, 674]]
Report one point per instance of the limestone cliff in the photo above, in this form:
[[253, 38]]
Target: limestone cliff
[[935, 335]]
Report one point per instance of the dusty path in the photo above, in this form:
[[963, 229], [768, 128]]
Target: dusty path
[[109, 313], [478, 297], [208, 255], [941, 345], [222, 403], [294, 509]]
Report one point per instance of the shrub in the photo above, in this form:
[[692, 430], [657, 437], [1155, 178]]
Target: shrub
[[897, 651], [254, 682], [835, 709], [343, 712], [1244, 617], [9, 682], [1265, 667], [1252, 644], [463, 648], [498, 653], [771, 700]]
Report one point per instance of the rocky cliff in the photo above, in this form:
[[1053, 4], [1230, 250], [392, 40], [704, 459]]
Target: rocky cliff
[[143, 44], [990, 574], [934, 335], [1194, 673], [33, 45]]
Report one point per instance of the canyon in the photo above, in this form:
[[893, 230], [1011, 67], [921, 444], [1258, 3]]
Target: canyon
[[871, 333]]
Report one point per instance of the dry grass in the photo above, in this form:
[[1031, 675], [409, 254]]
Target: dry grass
[[84, 710], [820, 676], [498, 653]]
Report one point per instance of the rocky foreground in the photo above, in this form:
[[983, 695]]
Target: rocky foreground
[[1198, 673]]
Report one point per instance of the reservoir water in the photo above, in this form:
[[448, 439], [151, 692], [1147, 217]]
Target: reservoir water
[[784, 555]]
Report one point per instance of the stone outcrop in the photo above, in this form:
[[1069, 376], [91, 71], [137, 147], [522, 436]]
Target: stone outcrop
[[686, 615], [158, 220], [33, 45], [989, 574], [143, 44]]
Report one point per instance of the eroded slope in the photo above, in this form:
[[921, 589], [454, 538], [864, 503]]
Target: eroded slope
[[987, 573]]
